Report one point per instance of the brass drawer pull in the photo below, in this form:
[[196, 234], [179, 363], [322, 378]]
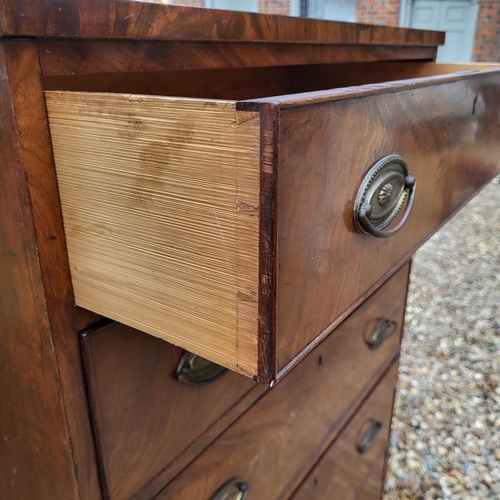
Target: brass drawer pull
[[236, 489], [369, 436], [382, 195], [382, 331], [195, 370]]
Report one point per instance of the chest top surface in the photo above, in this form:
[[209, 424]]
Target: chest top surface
[[153, 21]]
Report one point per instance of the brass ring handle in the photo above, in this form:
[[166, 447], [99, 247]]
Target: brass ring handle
[[235, 489], [382, 194], [195, 370], [366, 209], [369, 436], [381, 332]]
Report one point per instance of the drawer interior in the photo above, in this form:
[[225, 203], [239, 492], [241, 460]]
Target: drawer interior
[[252, 83]]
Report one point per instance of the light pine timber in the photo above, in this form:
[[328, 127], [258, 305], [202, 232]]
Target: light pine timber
[[160, 204]]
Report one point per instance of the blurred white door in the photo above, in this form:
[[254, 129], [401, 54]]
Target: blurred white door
[[456, 17], [244, 5], [333, 10]]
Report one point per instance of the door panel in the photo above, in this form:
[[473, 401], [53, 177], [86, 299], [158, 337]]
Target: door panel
[[333, 10], [425, 15], [243, 5], [456, 17]]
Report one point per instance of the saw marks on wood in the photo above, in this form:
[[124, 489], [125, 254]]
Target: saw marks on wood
[[160, 204]]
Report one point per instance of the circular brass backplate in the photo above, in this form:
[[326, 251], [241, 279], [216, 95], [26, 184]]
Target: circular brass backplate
[[384, 189]]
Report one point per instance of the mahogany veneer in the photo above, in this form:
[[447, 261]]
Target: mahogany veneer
[[140, 409], [91, 409], [272, 444], [346, 470], [143, 20]]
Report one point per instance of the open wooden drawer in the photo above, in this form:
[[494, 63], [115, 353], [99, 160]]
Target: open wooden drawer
[[227, 226]]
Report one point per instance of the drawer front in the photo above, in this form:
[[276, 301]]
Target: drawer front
[[353, 466], [271, 442], [448, 132], [144, 416], [227, 228], [373, 485]]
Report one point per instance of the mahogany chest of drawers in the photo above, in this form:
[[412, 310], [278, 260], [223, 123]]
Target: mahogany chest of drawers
[[197, 205]]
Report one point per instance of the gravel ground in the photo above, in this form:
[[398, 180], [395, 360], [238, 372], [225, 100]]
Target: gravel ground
[[446, 428]]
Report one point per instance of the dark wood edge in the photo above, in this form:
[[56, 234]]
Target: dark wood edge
[[139, 20], [381, 456], [387, 450], [95, 329], [89, 381], [335, 431], [35, 450], [54, 246], [269, 140], [320, 96], [286, 369], [410, 263], [64, 317]]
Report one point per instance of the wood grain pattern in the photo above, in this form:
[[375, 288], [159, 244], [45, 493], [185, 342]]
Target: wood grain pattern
[[143, 416], [395, 282], [150, 489], [47, 447], [65, 319], [343, 472], [325, 151], [82, 57], [120, 19], [372, 487], [160, 202], [288, 429]]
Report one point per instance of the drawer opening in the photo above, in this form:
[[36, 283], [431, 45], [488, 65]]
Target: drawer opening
[[252, 83]]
